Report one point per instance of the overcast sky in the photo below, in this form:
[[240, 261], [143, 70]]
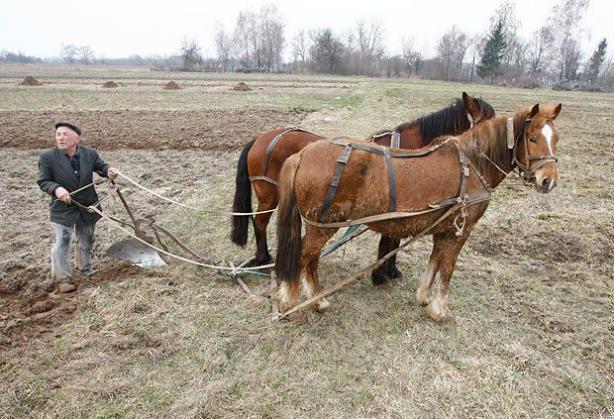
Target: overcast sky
[[117, 28]]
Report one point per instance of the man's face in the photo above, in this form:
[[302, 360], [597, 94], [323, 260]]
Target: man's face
[[66, 139]]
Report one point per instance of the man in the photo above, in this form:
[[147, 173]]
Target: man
[[68, 167]]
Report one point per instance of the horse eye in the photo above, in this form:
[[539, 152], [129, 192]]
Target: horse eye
[[533, 139]]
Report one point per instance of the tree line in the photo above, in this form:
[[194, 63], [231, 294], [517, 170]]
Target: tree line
[[499, 55]]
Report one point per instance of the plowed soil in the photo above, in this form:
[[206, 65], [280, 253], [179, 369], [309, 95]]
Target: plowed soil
[[181, 130]]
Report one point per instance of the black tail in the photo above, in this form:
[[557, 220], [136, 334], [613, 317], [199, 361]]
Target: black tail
[[289, 223], [243, 199]]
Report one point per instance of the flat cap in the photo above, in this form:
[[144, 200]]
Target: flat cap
[[68, 125]]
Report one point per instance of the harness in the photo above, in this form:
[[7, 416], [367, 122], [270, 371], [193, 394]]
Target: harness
[[395, 134], [463, 198], [269, 151]]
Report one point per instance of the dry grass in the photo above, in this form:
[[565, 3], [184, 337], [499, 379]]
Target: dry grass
[[532, 294]]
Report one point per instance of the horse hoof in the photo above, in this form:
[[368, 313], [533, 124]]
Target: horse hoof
[[297, 317], [439, 315], [422, 298], [322, 306], [397, 276], [384, 285]]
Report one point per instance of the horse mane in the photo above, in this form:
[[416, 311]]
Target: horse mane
[[446, 120], [450, 119], [490, 139]]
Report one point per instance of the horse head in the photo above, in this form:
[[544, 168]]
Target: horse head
[[535, 150], [477, 109]]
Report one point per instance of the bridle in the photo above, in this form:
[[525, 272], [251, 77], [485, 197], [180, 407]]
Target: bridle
[[534, 163], [472, 122]]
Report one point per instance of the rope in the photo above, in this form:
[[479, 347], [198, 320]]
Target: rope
[[138, 185]]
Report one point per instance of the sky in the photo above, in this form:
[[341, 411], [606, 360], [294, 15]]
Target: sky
[[119, 28]]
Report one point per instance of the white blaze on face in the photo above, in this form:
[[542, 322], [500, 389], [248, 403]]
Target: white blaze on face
[[547, 133]]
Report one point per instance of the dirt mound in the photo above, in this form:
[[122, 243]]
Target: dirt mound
[[110, 84], [171, 85], [242, 87], [140, 129], [30, 81]]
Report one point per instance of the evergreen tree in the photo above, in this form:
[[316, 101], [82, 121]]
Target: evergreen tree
[[596, 60], [490, 62]]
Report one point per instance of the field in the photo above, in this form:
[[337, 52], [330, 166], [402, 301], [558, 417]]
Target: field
[[533, 292]]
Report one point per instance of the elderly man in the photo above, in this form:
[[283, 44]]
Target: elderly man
[[65, 168]]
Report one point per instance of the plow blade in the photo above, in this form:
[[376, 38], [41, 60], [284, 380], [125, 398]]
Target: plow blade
[[135, 252]]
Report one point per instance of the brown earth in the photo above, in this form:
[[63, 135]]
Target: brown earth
[[109, 130], [171, 85], [110, 84], [30, 81], [241, 87], [26, 308]]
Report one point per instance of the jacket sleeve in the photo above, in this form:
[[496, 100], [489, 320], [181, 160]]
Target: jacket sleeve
[[45, 179], [99, 165]]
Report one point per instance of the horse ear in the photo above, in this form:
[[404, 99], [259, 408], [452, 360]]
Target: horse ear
[[556, 111], [471, 105], [534, 111]]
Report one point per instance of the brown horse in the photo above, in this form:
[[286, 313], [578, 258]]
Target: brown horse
[[262, 158], [461, 169]]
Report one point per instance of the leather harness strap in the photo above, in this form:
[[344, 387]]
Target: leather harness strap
[[342, 161], [392, 182], [395, 140], [269, 151], [344, 157]]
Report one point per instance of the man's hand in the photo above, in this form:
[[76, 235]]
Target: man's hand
[[62, 195], [111, 173]]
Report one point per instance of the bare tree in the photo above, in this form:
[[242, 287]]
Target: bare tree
[[326, 51], [259, 38], [505, 14], [85, 54], [243, 39], [409, 55], [538, 48], [223, 46], [190, 53], [69, 53], [300, 48], [565, 26], [451, 51], [370, 38], [272, 37]]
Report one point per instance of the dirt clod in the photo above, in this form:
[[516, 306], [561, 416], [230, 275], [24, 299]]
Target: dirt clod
[[30, 81], [171, 85], [241, 87]]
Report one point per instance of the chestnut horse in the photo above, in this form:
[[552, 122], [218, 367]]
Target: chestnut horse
[[461, 169], [262, 158]]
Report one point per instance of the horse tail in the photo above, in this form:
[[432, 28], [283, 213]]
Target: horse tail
[[289, 223], [243, 199]]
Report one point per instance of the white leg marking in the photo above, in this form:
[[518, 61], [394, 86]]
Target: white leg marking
[[423, 293], [284, 293]]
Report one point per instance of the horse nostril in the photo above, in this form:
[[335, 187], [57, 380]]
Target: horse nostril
[[546, 182]]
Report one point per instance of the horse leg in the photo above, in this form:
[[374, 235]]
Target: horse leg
[[424, 293], [267, 200], [391, 264], [315, 239], [447, 248], [379, 276]]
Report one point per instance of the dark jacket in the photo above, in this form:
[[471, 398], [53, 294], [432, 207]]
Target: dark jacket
[[55, 171]]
